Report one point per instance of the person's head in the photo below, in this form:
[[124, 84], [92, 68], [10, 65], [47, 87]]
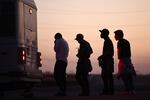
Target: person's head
[[79, 37], [58, 36], [118, 34], [104, 33]]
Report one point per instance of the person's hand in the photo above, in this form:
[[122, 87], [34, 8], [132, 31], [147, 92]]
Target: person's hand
[[77, 55], [99, 58]]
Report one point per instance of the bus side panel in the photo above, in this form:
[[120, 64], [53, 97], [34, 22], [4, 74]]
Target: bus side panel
[[31, 38], [20, 35], [8, 36], [8, 58]]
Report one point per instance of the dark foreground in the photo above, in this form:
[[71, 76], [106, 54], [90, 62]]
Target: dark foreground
[[136, 97], [47, 89]]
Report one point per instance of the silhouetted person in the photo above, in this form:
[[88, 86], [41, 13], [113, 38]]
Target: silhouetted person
[[83, 65], [106, 63], [125, 66], [61, 48]]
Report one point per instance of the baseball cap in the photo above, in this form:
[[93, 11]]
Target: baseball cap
[[106, 31], [79, 36]]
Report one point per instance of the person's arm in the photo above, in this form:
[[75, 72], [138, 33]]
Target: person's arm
[[56, 45], [119, 52]]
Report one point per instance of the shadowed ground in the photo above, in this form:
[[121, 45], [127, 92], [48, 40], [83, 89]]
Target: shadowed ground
[[47, 89]]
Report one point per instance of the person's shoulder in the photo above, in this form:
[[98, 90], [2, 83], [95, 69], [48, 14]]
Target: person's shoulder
[[87, 43], [120, 42], [109, 40], [126, 41], [64, 40], [59, 41]]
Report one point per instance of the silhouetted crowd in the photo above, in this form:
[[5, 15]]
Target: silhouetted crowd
[[125, 72]]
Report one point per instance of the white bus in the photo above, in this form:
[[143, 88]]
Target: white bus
[[18, 41]]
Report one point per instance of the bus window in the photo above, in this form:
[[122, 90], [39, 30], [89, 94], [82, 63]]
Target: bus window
[[7, 18]]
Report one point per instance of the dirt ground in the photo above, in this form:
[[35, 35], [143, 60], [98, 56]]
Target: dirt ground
[[47, 89]]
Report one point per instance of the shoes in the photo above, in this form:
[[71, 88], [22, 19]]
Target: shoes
[[60, 94], [27, 94], [107, 93], [84, 94], [129, 93], [132, 92]]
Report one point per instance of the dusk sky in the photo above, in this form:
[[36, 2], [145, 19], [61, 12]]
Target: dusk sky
[[71, 17]]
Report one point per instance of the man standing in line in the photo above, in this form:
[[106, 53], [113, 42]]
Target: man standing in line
[[106, 62], [62, 49], [125, 66], [83, 65]]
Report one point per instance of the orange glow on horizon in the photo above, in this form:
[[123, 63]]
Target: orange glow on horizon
[[70, 17]]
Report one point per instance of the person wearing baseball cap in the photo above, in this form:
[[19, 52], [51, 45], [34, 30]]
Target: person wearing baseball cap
[[106, 62], [79, 36], [83, 65]]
